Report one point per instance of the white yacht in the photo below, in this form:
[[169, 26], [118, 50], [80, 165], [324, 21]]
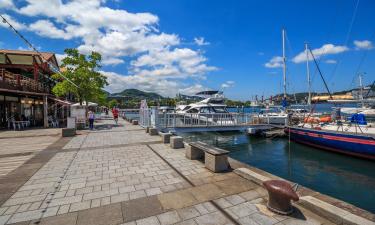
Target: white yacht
[[211, 110], [273, 115]]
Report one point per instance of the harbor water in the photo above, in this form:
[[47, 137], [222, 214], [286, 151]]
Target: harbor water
[[343, 177]]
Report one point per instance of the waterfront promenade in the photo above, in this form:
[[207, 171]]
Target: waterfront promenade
[[121, 175]]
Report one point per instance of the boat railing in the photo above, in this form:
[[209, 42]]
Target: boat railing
[[172, 120]]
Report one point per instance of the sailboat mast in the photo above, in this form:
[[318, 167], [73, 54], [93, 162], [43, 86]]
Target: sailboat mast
[[284, 63], [361, 88], [308, 74]]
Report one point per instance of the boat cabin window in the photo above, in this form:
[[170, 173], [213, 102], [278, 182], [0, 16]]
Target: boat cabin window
[[220, 110], [193, 110], [205, 110]]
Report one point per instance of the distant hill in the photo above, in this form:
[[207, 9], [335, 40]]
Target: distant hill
[[136, 94]]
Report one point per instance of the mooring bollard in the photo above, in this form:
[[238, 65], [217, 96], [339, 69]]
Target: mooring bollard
[[176, 142], [135, 122], [147, 129], [280, 194], [165, 137], [153, 131]]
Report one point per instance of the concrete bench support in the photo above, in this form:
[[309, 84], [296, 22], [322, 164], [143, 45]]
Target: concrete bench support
[[215, 159], [153, 131], [135, 122], [68, 132], [194, 153], [165, 137], [176, 142]]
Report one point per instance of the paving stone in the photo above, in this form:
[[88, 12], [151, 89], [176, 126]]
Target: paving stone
[[80, 206], [31, 215], [137, 194], [247, 221], [127, 189], [213, 218], [263, 219], [4, 219], [168, 218], [106, 215], [188, 213], [141, 208], [119, 198], [65, 200], [63, 209], [223, 203], [187, 222], [153, 191], [243, 209], [235, 199], [66, 219], [148, 221]]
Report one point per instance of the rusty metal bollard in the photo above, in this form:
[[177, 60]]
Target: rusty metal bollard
[[280, 194]]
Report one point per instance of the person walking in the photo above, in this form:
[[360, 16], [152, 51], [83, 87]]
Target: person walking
[[115, 114], [91, 117]]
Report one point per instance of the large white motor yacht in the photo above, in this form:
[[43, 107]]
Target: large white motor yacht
[[212, 109]]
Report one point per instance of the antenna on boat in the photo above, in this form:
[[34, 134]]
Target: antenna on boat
[[308, 73]]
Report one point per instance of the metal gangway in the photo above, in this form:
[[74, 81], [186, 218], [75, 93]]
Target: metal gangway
[[190, 122]]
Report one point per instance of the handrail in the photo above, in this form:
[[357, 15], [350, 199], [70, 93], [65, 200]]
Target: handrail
[[19, 81]]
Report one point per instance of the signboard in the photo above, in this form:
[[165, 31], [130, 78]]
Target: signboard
[[79, 112]]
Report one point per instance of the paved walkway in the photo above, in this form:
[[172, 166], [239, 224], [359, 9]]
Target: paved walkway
[[121, 175]]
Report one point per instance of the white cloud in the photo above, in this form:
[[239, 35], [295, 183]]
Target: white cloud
[[157, 63], [275, 62], [330, 61], [200, 41], [327, 49], [176, 63], [365, 44], [6, 4], [59, 58], [165, 87], [47, 28], [228, 84]]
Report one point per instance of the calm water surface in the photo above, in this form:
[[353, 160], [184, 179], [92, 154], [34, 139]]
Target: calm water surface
[[346, 178]]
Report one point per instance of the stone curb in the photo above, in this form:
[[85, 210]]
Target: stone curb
[[321, 208], [332, 212]]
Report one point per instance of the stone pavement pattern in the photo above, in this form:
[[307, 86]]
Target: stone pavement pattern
[[14, 150], [92, 182]]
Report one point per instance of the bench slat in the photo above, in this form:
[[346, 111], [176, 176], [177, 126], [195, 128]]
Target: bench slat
[[208, 148]]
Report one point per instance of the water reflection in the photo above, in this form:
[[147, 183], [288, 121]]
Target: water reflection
[[346, 178]]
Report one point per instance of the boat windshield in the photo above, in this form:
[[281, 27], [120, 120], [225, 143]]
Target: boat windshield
[[220, 110]]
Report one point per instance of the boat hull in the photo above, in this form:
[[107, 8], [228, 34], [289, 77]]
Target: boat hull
[[346, 143]]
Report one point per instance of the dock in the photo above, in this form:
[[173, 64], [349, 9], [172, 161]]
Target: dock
[[119, 174]]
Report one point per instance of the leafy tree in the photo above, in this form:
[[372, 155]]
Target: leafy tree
[[112, 103], [82, 71]]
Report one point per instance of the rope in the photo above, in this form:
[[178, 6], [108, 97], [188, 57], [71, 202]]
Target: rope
[[347, 38]]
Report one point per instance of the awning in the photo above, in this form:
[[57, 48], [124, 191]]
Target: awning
[[84, 104], [63, 102]]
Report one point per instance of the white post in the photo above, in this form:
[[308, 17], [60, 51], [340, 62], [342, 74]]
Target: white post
[[361, 87]]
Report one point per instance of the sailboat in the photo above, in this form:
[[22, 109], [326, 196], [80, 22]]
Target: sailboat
[[355, 137], [278, 116]]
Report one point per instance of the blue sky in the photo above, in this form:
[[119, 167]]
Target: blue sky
[[189, 45]]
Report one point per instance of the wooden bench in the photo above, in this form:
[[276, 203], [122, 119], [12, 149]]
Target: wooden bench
[[215, 159]]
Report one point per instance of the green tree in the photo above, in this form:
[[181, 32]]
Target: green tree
[[82, 71], [112, 103]]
